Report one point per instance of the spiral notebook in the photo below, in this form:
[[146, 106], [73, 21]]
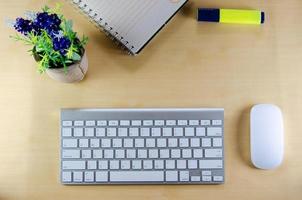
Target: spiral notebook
[[131, 23]]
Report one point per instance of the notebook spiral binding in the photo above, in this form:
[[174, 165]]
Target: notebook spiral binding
[[105, 27]]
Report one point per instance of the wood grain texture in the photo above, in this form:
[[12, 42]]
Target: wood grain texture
[[188, 64]]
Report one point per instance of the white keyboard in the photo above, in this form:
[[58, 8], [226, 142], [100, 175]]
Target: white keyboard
[[142, 146]]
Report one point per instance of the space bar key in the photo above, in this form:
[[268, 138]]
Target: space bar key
[[136, 176]]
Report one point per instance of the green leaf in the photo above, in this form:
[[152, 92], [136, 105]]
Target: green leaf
[[76, 56]]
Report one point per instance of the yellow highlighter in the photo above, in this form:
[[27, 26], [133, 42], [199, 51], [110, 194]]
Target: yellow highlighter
[[230, 16]]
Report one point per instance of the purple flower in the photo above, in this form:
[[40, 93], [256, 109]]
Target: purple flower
[[23, 26], [48, 22], [61, 45]]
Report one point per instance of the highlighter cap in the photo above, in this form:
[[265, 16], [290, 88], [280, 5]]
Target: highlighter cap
[[230, 16]]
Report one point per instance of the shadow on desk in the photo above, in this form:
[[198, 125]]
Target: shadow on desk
[[243, 136]]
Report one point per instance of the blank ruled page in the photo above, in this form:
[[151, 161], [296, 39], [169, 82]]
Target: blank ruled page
[[132, 22]]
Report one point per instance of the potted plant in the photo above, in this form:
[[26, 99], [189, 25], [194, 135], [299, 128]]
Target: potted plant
[[55, 46]]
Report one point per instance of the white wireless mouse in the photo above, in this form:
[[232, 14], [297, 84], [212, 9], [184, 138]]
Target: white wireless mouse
[[266, 136]]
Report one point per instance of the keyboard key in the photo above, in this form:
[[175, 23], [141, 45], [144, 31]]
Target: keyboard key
[[183, 142], [97, 153], [100, 132], [214, 131], [195, 142], [172, 142], [133, 132], [189, 131], [171, 176], [139, 142], [148, 164], [218, 178], [153, 153], [114, 164], [178, 132], [101, 176], [147, 123], [205, 122], [213, 153], [94, 143], [142, 153], [197, 153], [78, 176], [125, 164], [145, 132], [66, 176], [159, 122], [70, 143], [159, 164], [86, 153], [89, 176], [78, 132], [181, 164], [170, 122], [102, 123], [108, 153], [66, 132], [125, 123], [113, 123], [200, 131], [182, 122], [117, 143], [111, 132], [66, 123], [192, 164], [175, 153], [150, 142], [210, 164], [71, 153], [167, 132], [89, 132], [206, 142], [90, 123], [131, 153], [105, 143], [164, 153], [155, 132], [122, 132], [136, 122], [193, 122], [195, 178], [128, 143], [206, 178], [74, 165], [91, 164], [187, 153], [83, 142], [136, 164], [217, 142], [217, 122], [170, 164], [119, 153], [103, 164], [206, 173], [161, 142], [136, 176], [184, 176], [79, 123]]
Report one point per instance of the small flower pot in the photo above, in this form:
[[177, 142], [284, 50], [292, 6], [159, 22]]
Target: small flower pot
[[75, 72]]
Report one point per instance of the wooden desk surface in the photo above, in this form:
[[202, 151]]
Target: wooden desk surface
[[189, 64]]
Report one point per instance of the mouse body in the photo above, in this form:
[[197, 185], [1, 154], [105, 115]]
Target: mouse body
[[266, 136]]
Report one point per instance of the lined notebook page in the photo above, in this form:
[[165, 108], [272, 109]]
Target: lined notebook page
[[132, 22]]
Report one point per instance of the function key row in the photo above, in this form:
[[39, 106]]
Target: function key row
[[142, 132], [142, 123]]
